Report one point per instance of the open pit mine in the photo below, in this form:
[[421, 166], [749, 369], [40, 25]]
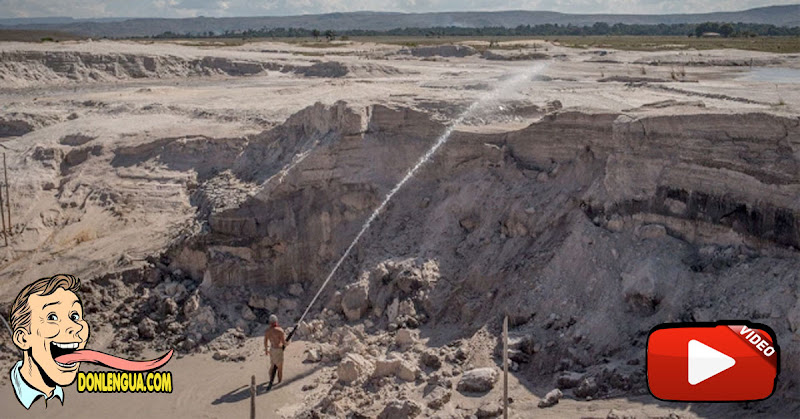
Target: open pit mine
[[197, 190]]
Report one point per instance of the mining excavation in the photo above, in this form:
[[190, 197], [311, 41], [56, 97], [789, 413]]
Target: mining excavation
[[392, 205]]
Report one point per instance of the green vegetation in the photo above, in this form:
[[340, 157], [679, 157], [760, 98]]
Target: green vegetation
[[756, 37], [35, 35], [726, 30], [778, 44]]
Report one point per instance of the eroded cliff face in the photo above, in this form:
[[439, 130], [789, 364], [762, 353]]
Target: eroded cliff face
[[697, 175], [20, 69], [588, 228]]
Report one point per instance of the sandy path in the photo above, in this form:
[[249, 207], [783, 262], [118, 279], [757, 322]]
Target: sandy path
[[202, 388]]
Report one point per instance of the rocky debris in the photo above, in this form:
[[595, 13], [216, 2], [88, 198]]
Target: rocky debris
[[407, 371], [438, 397], [615, 223], [398, 289], [227, 341], [520, 349], [154, 308], [191, 305], [794, 318], [147, 328], [288, 304], [402, 369], [644, 287], [551, 398], [652, 231], [430, 359], [269, 302], [469, 223], [355, 300], [489, 410], [386, 367], [440, 379], [613, 379], [568, 380], [397, 409], [479, 380], [247, 314], [354, 368], [203, 322], [313, 355], [349, 341], [405, 338], [295, 290], [587, 388]]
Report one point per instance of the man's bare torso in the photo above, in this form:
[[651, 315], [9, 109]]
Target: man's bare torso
[[275, 336]]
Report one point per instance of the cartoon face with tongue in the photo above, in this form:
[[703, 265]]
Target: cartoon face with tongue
[[48, 326], [47, 322]]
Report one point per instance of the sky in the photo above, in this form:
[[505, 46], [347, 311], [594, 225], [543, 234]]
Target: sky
[[192, 8]]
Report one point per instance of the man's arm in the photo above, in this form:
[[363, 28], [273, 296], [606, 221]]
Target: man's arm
[[283, 339], [266, 342]]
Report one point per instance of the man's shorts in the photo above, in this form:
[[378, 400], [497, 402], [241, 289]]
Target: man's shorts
[[276, 356]]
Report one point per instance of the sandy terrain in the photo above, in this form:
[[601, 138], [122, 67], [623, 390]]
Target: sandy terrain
[[197, 189]]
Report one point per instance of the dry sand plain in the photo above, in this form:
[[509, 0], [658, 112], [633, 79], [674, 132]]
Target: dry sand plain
[[197, 189]]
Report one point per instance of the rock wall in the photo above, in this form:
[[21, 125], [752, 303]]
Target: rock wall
[[28, 68], [587, 228]]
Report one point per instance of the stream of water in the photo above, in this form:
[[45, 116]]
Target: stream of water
[[485, 104]]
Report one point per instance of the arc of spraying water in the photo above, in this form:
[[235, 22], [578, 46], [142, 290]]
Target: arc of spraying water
[[500, 92]]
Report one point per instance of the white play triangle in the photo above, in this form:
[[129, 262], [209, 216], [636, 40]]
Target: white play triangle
[[706, 362]]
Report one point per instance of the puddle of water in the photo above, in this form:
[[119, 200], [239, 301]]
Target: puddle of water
[[772, 74]]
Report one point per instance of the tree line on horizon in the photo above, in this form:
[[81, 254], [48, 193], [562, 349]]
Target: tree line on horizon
[[724, 29]]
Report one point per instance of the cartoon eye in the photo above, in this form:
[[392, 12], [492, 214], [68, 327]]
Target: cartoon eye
[[52, 317], [74, 316]]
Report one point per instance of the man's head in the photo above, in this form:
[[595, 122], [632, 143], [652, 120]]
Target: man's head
[[273, 320], [47, 322]]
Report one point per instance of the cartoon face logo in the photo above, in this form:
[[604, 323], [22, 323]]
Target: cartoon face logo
[[56, 327], [48, 327]]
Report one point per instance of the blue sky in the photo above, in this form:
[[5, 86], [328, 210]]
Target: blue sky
[[190, 8]]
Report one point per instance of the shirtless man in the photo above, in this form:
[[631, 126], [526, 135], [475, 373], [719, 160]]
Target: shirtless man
[[274, 344]]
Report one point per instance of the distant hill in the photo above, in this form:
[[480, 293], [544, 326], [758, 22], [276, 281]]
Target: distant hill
[[14, 21], [774, 15]]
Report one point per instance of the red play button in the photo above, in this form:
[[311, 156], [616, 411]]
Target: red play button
[[712, 362]]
